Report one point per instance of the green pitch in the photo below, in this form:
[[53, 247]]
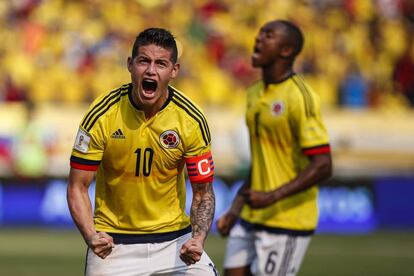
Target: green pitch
[[61, 252]]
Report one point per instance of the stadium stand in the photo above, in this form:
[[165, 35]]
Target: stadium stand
[[60, 54], [70, 51]]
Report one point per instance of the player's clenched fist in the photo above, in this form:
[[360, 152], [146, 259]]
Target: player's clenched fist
[[191, 251], [101, 244], [258, 199], [225, 223]]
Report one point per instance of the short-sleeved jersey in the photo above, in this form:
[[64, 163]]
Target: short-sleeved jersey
[[140, 182], [284, 127]]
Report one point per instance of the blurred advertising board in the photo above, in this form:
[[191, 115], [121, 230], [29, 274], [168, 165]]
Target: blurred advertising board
[[350, 207]]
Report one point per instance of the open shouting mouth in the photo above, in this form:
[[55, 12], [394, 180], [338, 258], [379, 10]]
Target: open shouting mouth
[[149, 87]]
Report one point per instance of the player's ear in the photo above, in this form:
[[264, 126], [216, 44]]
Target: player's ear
[[176, 68], [129, 63], [287, 52]]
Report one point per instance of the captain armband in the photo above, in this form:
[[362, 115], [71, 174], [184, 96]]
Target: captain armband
[[200, 168]]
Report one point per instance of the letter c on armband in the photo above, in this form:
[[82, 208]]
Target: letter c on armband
[[207, 166], [200, 168]]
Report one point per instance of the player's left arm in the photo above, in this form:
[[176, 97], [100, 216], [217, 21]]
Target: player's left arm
[[318, 170], [202, 209], [200, 171]]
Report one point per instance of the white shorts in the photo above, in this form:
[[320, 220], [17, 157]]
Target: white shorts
[[148, 259], [266, 253]]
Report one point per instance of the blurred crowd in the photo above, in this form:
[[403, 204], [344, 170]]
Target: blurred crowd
[[356, 54]]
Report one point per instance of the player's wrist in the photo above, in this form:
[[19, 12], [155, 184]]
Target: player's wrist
[[233, 214], [200, 238], [89, 237], [236, 207]]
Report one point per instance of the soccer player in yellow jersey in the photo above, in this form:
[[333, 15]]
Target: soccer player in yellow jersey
[[138, 139], [290, 155]]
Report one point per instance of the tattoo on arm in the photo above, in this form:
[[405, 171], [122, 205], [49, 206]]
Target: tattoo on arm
[[202, 208]]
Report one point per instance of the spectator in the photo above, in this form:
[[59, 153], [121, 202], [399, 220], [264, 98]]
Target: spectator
[[403, 74], [353, 90], [31, 147]]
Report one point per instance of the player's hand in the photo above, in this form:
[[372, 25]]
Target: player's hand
[[101, 244], [191, 251], [256, 199], [225, 223]]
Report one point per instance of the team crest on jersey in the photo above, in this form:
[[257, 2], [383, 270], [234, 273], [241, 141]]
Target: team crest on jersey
[[169, 139], [277, 108]]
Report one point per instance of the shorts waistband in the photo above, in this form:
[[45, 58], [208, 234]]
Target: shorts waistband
[[274, 230], [148, 238]]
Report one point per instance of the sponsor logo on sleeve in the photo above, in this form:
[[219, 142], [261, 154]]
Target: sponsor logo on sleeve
[[82, 141]]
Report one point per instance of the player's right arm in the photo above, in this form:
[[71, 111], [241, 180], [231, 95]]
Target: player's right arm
[[86, 156], [229, 219], [81, 210]]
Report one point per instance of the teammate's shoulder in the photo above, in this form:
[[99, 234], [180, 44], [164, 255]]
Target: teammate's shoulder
[[299, 81], [255, 87], [302, 86], [304, 95]]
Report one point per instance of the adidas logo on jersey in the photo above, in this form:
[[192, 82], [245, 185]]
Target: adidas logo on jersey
[[118, 134]]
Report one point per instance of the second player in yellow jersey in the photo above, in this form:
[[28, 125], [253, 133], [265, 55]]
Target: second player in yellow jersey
[[276, 206], [285, 127]]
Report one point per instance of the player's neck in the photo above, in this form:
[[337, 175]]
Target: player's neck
[[276, 76], [150, 110]]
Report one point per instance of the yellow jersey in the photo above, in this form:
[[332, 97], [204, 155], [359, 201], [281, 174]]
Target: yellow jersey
[[140, 182], [285, 126]]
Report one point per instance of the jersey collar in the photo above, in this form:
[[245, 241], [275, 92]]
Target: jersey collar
[[284, 79], [170, 95]]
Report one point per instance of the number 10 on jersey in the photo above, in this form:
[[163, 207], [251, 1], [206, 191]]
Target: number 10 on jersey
[[146, 156]]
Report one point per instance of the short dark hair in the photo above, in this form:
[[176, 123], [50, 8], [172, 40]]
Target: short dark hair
[[294, 35], [158, 36]]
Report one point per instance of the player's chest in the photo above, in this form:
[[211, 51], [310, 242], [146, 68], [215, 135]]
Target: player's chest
[[268, 113], [159, 139], [121, 137]]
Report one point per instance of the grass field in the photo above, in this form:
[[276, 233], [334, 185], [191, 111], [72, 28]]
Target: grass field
[[61, 252]]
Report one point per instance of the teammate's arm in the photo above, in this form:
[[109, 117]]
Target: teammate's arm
[[81, 210], [319, 169], [229, 219]]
